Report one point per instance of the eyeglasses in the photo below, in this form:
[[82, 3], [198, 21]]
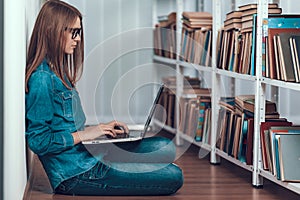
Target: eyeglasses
[[75, 32]]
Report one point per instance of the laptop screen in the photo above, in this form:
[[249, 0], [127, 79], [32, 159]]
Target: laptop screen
[[153, 108]]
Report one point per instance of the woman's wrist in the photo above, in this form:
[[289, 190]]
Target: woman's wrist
[[76, 138]]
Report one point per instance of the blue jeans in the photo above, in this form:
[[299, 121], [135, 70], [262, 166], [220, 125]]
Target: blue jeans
[[141, 168]]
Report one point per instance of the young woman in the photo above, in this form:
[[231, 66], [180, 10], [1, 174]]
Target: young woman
[[55, 121]]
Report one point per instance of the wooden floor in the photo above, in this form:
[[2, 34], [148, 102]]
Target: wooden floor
[[201, 181]]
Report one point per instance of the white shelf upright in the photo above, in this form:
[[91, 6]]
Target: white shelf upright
[[262, 13]]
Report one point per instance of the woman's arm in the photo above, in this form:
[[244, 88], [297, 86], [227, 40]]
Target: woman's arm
[[42, 138]]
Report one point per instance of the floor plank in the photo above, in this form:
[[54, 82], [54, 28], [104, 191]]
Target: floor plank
[[201, 181]]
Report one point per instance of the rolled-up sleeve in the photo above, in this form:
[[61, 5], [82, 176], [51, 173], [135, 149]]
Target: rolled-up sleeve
[[40, 111]]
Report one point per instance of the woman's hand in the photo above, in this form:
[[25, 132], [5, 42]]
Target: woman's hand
[[112, 128]]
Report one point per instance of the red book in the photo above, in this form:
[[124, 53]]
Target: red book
[[249, 147]]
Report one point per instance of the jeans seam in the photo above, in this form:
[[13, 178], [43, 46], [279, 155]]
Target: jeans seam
[[98, 185]]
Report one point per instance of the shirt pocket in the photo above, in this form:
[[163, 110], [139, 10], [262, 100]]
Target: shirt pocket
[[64, 105], [67, 104]]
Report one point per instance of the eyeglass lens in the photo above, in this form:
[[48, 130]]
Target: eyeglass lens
[[75, 32]]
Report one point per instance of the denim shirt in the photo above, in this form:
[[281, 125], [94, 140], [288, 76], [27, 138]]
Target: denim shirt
[[53, 113]]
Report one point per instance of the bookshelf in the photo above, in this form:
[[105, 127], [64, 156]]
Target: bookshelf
[[259, 86]]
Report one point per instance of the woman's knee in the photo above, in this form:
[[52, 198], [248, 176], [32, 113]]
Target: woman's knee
[[162, 142], [176, 177]]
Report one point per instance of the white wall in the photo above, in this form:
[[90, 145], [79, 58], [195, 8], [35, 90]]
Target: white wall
[[118, 77], [14, 70], [19, 17], [119, 72]]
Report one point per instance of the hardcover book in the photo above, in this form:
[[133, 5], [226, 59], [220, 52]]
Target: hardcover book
[[265, 126], [289, 157], [271, 49], [285, 57]]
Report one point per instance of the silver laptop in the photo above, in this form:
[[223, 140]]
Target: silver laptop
[[133, 135]]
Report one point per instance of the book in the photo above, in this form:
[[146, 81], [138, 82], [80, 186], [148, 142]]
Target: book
[[230, 133], [253, 49], [267, 154], [225, 120], [206, 55], [274, 71], [289, 154], [171, 109], [203, 103], [247, 54], [235, 14], [192, 119], [275, 134], [220, 128], [183, 110], [252, 11], [197, 19], [295, 51], [196, 15], [276, 22], [247, 102], [254, 6], [286, 56], [249, 144], [265, 126], [228, 103], [207, 127], [243, 140], [237, 136]]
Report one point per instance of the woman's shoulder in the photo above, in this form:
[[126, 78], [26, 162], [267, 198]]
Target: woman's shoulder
[[44, 68], [42, 74]]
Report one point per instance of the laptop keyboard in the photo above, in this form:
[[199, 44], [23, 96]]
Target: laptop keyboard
[[118, 136]]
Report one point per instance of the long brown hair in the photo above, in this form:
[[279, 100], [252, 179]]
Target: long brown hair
[[47, 42]]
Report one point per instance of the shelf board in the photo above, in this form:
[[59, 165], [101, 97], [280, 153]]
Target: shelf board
[[282, 84], [182, 135], [233, 160], [163, 126], [193, 141], [164, 60], [235, 75], [181, 63], [195, 66], [295, 187]]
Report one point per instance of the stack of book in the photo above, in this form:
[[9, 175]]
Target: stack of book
[[246, 103], [164, 40], [233, 20], [236, 40], [249, 10], [236, 125], [197, 19], [196, 41]]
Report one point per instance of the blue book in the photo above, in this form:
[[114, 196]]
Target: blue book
[[243, 141], [203, 105], [183, 45], [289, 155], [275, 133], [253, 54], [205, 48]]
